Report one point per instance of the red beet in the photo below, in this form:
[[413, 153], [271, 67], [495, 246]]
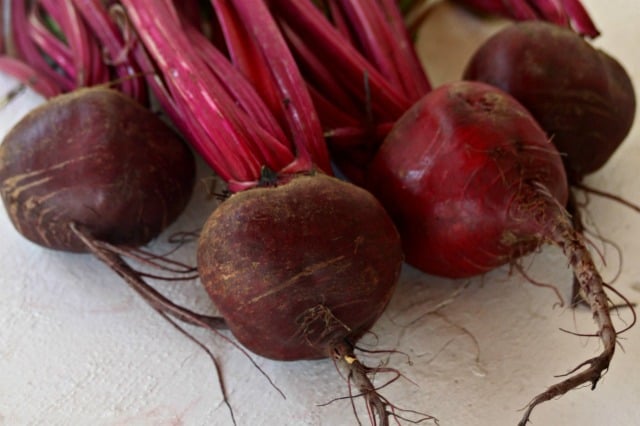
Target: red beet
[[96, 159], [300, 269], [582, 97], [450, 170], [472, 183]]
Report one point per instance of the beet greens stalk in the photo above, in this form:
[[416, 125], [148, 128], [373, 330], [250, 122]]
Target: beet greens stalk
[[72, 44], [242, 146], [57, 30], [299, 264], [354, 128], [566, 13], [29, 76], [383, 39]]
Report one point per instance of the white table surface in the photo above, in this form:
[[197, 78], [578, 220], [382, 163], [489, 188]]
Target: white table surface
[[77, 347]]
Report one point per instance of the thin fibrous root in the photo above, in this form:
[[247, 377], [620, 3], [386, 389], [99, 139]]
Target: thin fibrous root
[[607, 195], [166, 308], [592, 291], [12, 94], [133, 278], [357, 374], [597, 367], [518, 267]]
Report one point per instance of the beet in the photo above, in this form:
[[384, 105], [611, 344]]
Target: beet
[[449, 171], [94, 171], [472, 183], [298, 266], [302, 270], [582, 97], [299, 269], [97, 159]]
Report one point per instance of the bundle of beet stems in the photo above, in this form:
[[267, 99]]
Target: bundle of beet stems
[[470, 177]]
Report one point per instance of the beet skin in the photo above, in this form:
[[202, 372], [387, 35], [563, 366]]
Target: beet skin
[[582, 97], [297, 269], [450, 170], [95, 158]]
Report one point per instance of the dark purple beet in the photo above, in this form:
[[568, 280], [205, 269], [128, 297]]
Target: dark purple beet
[[98, 159], [582, 97], [299, 269]]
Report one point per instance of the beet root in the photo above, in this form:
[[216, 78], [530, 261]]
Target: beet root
[[297, 268], [97, 159], [448, 173], [302, 270], [473, 182], [582, 97]]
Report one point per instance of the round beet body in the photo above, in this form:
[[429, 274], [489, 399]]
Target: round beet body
[[450, 170], [99, 160], [473, 182], [298, 268], [582, 97]]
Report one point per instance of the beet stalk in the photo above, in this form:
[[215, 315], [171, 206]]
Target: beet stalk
[[72, 43], [566, 13]]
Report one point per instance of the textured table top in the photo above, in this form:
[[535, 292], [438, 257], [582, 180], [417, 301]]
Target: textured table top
[[78, 347]]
